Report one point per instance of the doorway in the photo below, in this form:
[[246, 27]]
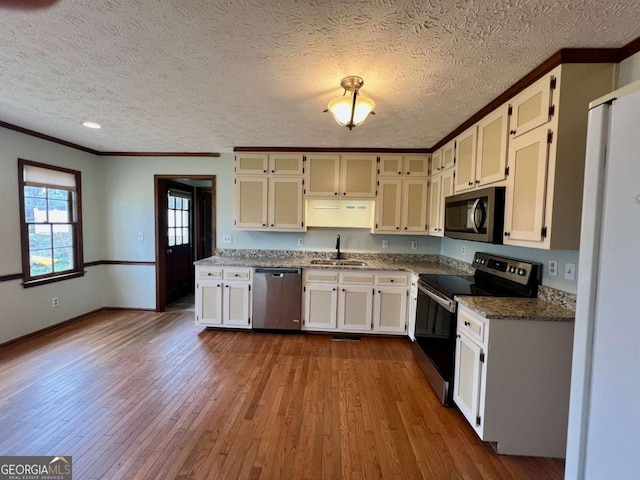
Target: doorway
[[185, 232]]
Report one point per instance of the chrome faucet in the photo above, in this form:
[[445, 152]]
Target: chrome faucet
[[338, 254]]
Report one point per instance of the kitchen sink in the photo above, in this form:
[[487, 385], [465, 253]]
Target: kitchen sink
[[338, 263]]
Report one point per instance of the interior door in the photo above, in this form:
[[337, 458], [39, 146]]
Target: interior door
[[179, 240]]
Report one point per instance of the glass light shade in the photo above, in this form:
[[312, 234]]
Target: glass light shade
[[340, 108]]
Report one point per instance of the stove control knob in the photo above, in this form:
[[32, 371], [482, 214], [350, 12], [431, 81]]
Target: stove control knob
[[522, 272], [512, 269]]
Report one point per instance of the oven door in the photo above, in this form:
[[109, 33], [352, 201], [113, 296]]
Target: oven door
[[434, 348]]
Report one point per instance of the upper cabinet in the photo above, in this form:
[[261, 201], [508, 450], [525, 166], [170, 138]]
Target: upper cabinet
[[333, 175], [482, 152], [251, 163], [444, 158], [440, 188], [403, 165], [533, 106], [546, 152], [286, 163]]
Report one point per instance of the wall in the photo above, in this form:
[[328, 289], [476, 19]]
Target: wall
[[629, 70], [26, 310], [453, 248]]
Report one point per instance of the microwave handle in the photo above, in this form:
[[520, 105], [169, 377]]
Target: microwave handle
[[474, 211]]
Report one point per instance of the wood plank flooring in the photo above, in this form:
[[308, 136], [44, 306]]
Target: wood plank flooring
[[143, 395]]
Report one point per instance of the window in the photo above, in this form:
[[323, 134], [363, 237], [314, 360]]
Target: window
[[50, 223], [178, 221]]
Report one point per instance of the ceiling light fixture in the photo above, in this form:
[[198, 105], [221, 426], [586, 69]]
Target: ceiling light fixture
[[91, 125], [351, 111]]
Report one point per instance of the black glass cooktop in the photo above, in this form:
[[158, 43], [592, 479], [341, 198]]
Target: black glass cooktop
[[450, 285]]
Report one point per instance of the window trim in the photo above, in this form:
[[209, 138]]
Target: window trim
[[78, 270]]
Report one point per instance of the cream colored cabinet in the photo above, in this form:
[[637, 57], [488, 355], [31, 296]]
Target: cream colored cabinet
[[526, 186], [403, 165], [545, 160], [269, 202], [355, 308], [347, 176], [389, 205], [251, 163], [286, 163], [358, 176], [466, 160], [511, 381], [322, 175], [412, 308], [441, 186], [223, 297], [251, 200], [286, 207], [320, 302], [436, 161], [347, 300], [491, 159], [401, 206], [533, 106], [449, 155]]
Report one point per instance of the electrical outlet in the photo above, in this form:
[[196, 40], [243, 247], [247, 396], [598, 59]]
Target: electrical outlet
[[464, 250], [55, 302], [141, 236], [227, 239], [553, 268], [570, 271], [385, 243], [300, 242], [414, 245]]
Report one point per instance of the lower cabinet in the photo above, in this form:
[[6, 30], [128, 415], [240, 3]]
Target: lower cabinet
[[512, 380], [223, 297], [356, 302]]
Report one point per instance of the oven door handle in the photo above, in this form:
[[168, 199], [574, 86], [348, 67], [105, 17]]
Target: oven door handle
[[450, 305]]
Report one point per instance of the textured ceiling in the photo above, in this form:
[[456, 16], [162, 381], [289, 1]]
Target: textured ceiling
[[197, 76]]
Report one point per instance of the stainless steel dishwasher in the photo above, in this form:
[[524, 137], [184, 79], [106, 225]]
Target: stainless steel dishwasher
[[277, 298]]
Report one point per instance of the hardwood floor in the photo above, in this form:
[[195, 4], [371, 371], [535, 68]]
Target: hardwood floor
[[134, 395]]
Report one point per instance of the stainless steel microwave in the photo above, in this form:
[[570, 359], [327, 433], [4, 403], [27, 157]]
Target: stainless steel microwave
[[476, 215]]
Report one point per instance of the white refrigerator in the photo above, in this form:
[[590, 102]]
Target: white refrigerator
[[604, 415]]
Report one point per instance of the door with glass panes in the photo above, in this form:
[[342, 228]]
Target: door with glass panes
[[179, 242]]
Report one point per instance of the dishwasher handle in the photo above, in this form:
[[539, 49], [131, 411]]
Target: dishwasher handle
[[278, 272]]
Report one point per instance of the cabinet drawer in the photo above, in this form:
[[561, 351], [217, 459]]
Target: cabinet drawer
[[213, 273], [357, 278], [472, 326], [237, 274], [321, 276], [391, 279]]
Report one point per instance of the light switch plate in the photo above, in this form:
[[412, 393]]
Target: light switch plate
[[227, 239], [385, 243], [553, 268], [570, 271]]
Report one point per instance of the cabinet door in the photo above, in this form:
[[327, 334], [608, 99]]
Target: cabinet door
[[320, 307], [435, 199], [468, 378], [355, 305], [466, 161], [492, 147], [358, 177], [446, 190], [436, 161], [208, 303], [251, 202], [416, 165], [251, 163], [286, 204], [532, 107], [285, 163], [236, 304], [414, 205], [526, 186], [449, 155], [413, 308], [390, 166], [388, 205], [390, 310], [323, 175]]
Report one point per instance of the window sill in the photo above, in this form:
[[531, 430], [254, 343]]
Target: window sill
[[56, 278]]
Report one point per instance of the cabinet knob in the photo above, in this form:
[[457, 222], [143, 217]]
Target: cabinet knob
[[512, 132], [408, 173], [344, 193], [335, 193], [467, 324], [477, 181], [226, 286], [343, 289], [506, 234], [264, 224], [470, 183], [264, 171], [273, 171], [272, 224], [405, 228], [334, 289], [397, 228], [399, 173]]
